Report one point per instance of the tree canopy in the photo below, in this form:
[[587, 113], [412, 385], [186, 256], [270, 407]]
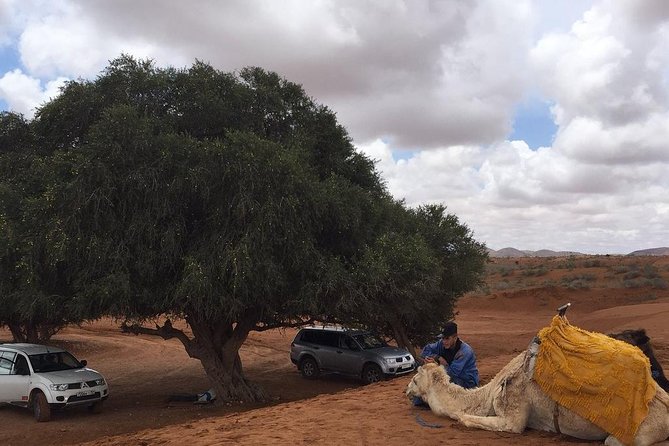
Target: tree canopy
[[231, 200]]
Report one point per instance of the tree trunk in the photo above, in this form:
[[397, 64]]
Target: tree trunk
[[402, 338], [218, 350], [229, 381], [216, 344], [17, 332], [32, 333]]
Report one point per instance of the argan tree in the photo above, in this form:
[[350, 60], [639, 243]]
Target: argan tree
[[232, 201]]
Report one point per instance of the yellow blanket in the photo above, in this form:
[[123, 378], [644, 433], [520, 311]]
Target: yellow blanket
[[603, 380]]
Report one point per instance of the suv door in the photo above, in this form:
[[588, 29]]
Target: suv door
[[351, 356], [14, 378], [328, 343]]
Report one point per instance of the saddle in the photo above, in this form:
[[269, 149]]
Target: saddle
[[605, 381]]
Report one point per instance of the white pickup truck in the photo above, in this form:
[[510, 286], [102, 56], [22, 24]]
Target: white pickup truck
[[41, 377]]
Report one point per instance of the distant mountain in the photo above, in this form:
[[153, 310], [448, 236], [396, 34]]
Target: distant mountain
[[513, 252], [507, 252], [651, 252]]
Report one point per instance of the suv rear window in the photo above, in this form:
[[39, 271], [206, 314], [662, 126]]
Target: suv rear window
[[321, 337]]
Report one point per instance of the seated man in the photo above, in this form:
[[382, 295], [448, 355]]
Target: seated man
[[455, 355]]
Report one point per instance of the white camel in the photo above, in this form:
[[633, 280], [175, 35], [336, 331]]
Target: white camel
[[512, 401]]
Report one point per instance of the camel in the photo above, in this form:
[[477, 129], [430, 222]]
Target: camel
[[512, 401], [640, 339]]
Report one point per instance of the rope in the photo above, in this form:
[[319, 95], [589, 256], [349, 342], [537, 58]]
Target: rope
[[424, 423]]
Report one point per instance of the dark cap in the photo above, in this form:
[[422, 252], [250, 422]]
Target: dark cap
[[450, 329]]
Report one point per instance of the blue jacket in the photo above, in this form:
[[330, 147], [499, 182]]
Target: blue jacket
[[462, 368]]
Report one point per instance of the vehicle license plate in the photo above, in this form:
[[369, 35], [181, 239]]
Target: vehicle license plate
[[85, 393]]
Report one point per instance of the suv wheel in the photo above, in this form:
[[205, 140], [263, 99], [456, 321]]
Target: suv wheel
[[41, 408], [309, 368], [372, 373]]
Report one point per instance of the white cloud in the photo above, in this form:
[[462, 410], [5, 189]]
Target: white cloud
[[588, 140], [604, 68], [24, 93]]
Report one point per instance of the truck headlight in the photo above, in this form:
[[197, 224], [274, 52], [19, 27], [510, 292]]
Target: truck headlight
[[58, 387], [390, 361], [100, 382]]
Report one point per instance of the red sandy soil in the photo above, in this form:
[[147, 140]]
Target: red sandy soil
[[143, 371]]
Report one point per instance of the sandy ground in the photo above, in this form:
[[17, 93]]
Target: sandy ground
[[143, 371]]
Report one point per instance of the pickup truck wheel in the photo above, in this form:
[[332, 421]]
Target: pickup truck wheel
[[41, 408], [372, 373], [96, 407], [309, 368]]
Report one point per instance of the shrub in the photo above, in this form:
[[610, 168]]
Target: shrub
[[620, 269], [632, 275], [538, 271], [659, 283]]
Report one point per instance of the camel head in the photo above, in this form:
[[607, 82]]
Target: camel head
[[637, 338], [426, 376]]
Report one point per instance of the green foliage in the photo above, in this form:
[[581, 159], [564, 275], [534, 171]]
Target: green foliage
[[592, 263], [578, 281], [657, 283], [569, 263], [232, 200], [35, 292], [536, 271], [413, 274], [620, 269]]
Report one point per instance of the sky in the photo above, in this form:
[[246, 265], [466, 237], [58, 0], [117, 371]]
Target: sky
[[541, 124]]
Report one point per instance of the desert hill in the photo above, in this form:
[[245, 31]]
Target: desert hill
[[519, 298], [513, 252], [651, 252]]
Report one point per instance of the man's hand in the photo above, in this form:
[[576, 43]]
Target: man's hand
[[435, 360]]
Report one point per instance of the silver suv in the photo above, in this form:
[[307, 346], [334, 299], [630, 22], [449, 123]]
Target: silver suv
[[349, 352], [41, 378]]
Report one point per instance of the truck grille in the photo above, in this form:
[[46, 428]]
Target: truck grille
[[78, 385]]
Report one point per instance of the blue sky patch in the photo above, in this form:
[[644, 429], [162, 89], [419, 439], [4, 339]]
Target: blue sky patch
[[9, 60], [534, 124]]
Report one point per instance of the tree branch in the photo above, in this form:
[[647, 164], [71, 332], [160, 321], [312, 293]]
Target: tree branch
[[266, 327], [165, 332]]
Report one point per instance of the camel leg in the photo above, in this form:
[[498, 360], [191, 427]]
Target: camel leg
[[514, 423], [511, 409]]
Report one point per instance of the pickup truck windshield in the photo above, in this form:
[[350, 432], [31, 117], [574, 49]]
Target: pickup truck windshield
[[53, 362]]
